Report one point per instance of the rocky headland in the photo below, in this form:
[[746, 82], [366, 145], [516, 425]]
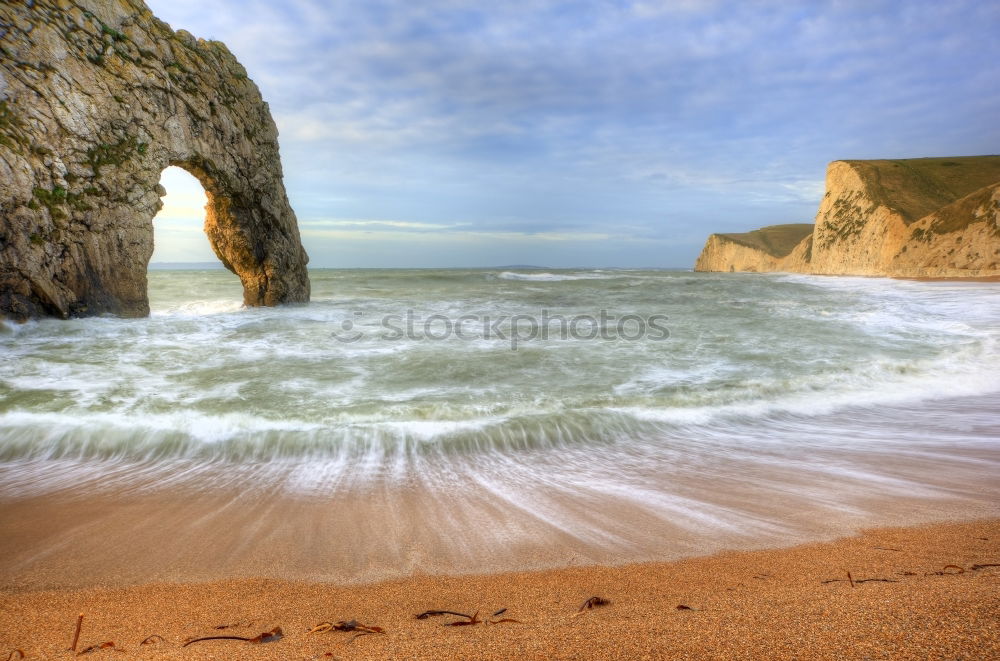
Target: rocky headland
[[921, 217]]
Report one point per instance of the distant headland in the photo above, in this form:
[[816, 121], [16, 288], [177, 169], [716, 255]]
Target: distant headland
[[908, 218]]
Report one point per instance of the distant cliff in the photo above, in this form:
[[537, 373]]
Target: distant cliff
[[766, 249], [932, 217]]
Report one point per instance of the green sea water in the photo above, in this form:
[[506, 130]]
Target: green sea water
[[607, 415], [481, 359]]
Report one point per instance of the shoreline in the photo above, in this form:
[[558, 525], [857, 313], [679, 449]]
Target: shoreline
[[930, 278], [71, 524], [775, 603], [75, 539], [869, 276]]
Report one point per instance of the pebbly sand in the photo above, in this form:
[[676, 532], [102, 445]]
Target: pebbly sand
[[941, 603]]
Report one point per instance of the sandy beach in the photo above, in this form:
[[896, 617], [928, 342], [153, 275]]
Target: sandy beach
[[927, 592], [119, 524], [226, 472], [393, 330]]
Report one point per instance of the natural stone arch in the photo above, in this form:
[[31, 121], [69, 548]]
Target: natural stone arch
[[97, 97]]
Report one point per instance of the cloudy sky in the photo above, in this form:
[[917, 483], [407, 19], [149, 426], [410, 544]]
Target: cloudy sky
[[585, 133]]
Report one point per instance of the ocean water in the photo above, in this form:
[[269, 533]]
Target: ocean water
[[577, 415]]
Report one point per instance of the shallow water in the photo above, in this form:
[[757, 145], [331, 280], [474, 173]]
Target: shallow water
[[725, 410]]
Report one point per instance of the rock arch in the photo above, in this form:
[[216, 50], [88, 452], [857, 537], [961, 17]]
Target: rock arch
[[97, 97]]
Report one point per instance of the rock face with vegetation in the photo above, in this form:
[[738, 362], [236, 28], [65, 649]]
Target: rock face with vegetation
[[97, 97], [765, 249], [922, 217]]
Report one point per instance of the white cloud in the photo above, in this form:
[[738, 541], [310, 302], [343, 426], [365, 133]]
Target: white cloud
[[378, 224], [461, 236], [553, 112]]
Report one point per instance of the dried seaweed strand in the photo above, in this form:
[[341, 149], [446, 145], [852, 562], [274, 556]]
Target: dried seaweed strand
[[471, 620], [856, 581], [876, 580], [322, 627], [427, 614], [944, 571], [592, 603], [502, 620], [354, 625], [984, 565], [11, 657], [149, 640], [198, 640], [357, 626], [76, 634], [265, 637], [350, 625], [96, 648]]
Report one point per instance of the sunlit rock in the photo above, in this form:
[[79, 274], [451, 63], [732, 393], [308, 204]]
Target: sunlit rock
[[920, 217]]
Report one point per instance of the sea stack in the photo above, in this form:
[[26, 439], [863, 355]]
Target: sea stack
[[96, 99]]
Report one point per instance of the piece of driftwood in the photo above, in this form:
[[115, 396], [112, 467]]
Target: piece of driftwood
[[76, 634]]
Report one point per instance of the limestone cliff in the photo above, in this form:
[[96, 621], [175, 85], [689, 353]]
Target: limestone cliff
[[766, 249], [97, 97], [904, 218], [958, 240]]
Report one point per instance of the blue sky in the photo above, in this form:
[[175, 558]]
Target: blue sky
[[573, 133]]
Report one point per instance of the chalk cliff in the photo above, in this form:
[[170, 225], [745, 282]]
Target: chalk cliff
[[97, 97], [927, 217], [766, 249]]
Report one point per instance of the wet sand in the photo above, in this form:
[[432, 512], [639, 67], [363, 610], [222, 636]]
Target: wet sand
[[119, 534], [743, 605], [71, 523]]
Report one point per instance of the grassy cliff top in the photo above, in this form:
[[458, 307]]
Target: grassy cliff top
[[915, 187], [775, 240], [961, 213]]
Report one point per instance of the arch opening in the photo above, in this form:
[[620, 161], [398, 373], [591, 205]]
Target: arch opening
[[184, 270]]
